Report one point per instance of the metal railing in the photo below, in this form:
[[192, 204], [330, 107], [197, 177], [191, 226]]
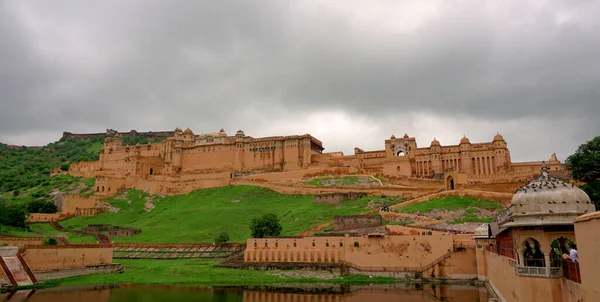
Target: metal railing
[[570, 270]]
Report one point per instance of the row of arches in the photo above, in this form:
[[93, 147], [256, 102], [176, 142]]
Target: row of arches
[[333, 255], [534, 256], [483, 165]]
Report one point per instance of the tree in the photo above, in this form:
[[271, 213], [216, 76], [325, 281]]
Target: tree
[[13, 214], [267, 225], [585, 162], [585, 166], [222, 237]]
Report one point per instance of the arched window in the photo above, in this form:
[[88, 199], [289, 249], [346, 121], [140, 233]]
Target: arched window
[[558, 248], [532, 253], [356, 244], [151, 171]]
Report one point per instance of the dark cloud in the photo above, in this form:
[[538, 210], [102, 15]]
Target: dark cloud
[[374, 67]]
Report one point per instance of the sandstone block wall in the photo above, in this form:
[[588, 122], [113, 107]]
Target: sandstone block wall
[[41, 217], [21, 241], [341, 223], [45, 258], [71, 203], [335, 198], [368, 253]]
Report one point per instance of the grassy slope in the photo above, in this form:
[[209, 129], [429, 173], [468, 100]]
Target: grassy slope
[[453, 203], [200, 215], [200, 271]]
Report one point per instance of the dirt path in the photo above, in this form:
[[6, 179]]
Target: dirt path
[[103, 239]]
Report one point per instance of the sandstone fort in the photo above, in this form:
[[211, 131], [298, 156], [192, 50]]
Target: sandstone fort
[[185, 161]]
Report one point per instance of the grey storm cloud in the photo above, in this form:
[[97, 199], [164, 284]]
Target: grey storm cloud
[[84, 66]]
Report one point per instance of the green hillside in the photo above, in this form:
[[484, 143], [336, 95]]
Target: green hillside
[[25, 172], [200, 215]]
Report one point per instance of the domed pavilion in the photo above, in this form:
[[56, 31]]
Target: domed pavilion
[[538, 227]]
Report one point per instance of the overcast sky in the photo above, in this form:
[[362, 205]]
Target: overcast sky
[[350, 73]]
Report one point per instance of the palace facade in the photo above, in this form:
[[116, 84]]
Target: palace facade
[[185, 161]]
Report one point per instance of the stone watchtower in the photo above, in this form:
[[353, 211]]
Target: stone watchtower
[[465, 155], [436, 161], [501, 153], [238, 161]]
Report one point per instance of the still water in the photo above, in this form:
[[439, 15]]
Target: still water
[[400, 292]]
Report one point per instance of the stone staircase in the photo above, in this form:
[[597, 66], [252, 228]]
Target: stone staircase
[[15, 267]]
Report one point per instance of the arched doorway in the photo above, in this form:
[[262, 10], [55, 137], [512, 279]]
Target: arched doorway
[[151, 171], [449, 183]]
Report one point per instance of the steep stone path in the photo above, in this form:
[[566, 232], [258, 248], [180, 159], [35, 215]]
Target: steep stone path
[[101, 237]]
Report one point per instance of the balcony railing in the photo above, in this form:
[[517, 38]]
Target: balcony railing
[[570, 270], [506, 252], [533, 271]]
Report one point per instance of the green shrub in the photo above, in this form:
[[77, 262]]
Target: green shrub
[[50, 241], [222, 237]]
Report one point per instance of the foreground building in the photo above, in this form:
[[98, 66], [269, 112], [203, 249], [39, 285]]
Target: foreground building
[[520, 256], [185, 161]]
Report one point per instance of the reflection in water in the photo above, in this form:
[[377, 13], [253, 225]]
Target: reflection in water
[[399, 292]]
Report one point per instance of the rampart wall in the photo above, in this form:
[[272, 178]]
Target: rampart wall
[[304, 190], [43, 217], [149, 134]]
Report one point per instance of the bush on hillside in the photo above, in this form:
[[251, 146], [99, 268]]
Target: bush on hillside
[[222, 237], [13, 214], [265, 226], [41, 206]]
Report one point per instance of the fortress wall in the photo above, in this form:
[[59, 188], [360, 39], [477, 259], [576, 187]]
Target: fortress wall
[[45, 258], [504, 187], [197, 158], [288, 175], [415, 182], [388, 251], [84, 169], [268, 159], [72, 202], [21, 241], [145, 165], [288, 189], [172, 185], [42, 217]]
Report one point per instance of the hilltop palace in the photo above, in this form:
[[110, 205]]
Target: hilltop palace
[[184, 161]]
